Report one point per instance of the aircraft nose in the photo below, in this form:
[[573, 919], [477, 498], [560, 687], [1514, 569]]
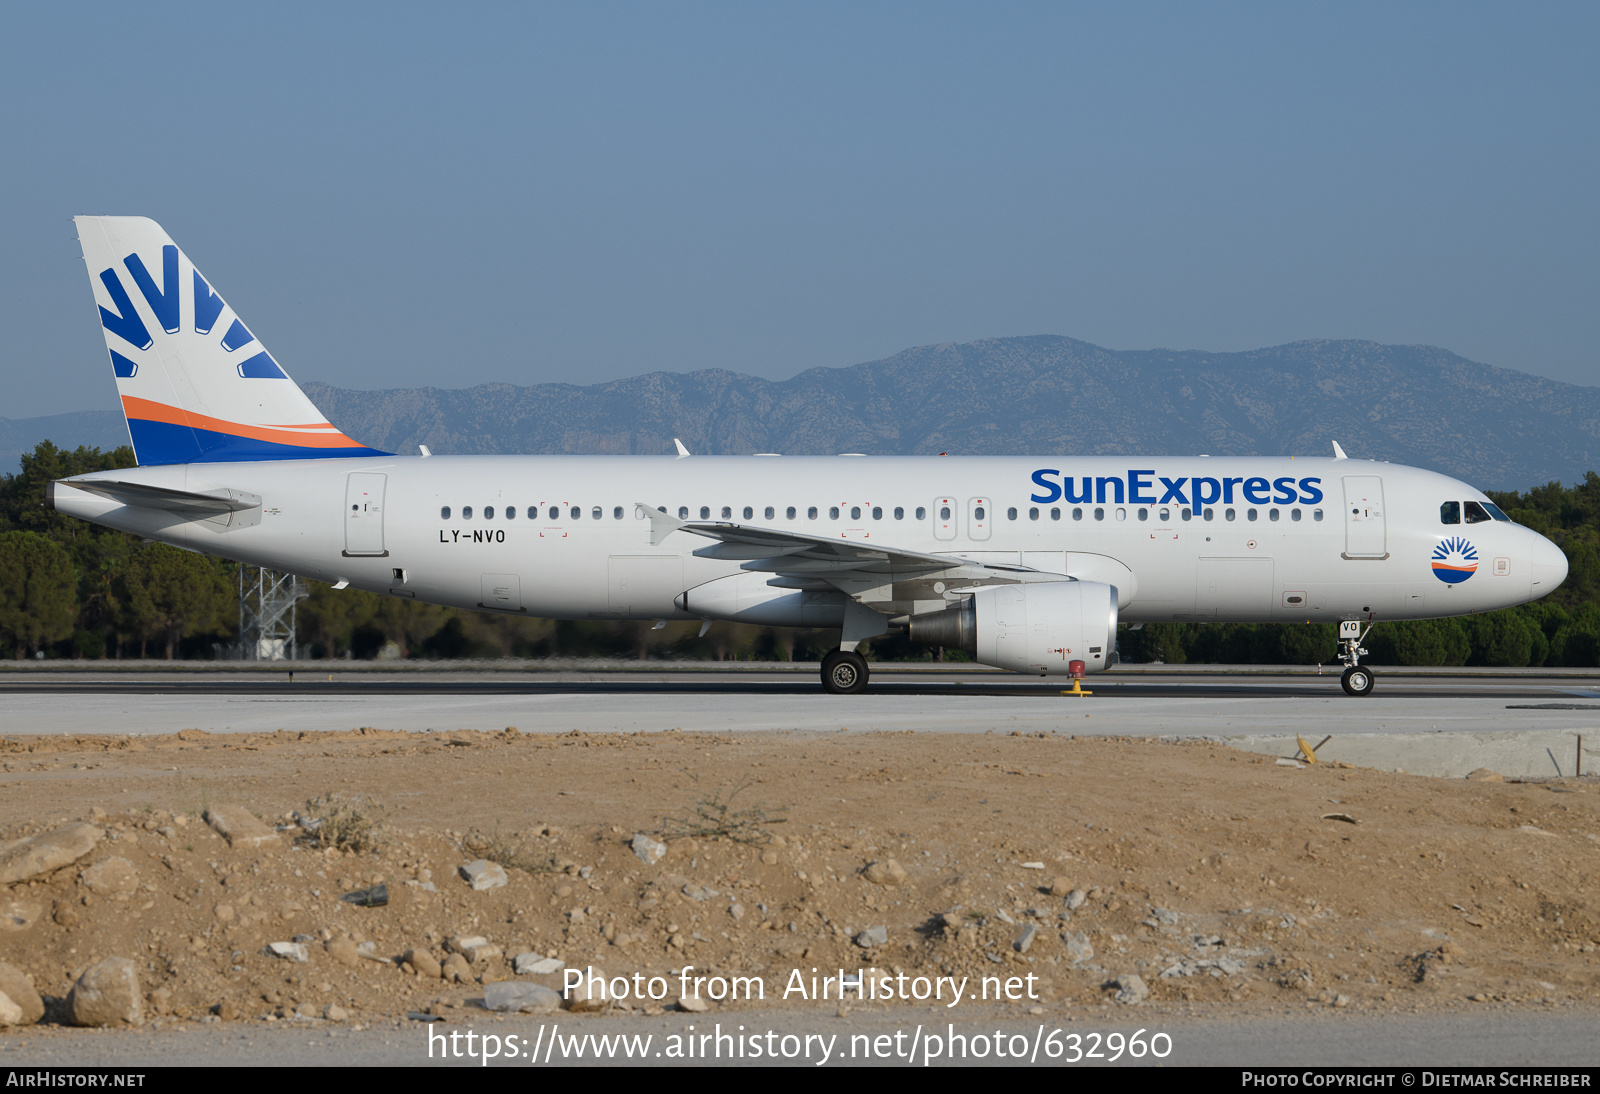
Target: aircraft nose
[[1549, 567]]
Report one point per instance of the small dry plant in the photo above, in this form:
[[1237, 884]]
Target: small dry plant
[[716, 818], [348, 823], [509, 851]]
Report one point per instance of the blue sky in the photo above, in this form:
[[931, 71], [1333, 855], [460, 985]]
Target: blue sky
[[402, 195]]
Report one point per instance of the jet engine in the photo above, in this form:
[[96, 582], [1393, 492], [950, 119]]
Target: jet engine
[[1037, 627]]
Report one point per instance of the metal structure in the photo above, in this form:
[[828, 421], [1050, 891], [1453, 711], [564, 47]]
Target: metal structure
[[267, 600]]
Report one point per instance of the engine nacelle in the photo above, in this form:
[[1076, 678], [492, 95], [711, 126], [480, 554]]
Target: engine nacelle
[[1038, 627]]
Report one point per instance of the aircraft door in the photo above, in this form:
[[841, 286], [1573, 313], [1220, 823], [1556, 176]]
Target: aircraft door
[[980, 518], [944, 518], [1365, 530], [363, 515]]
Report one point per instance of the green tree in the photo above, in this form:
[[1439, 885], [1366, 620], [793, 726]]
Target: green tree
[[37, 584], [166, 594]]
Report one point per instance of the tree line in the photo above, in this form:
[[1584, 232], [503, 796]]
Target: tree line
[[71, 589]]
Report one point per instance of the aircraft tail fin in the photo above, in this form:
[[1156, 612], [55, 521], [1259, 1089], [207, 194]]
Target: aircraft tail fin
[[196, 386]]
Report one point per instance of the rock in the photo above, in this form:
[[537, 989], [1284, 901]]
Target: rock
[[65, 914], [769, 857], [482, 874], [335, 1013], [107, 994], [1076, 899], [226, 1010], [589, 994], [456, 969], [888, 872], [737, 911], [532, 964], [699, 893], [1060, 887], [1165, 917], [1131, 990], [1078, 948], [16, 988], [872, 936], [648, 850], [1339, 1001], [461, 943], [484, 951], [18, 914], [693, 1004], [344, 951], [239, 827], [47, 851], [288, 951], [519, 995], [10, 1013], [1486, 775], [223, 912], [424, 962], [1025, 938], [375, 897], [115, 877]]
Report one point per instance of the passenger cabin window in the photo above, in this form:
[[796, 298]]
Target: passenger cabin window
[[576, 512], [1477, 514], [877, 512], [683, 513], [1272, 514], [833, 512], [1166, 515], [921, 513], [899, 512], [488, 512], [555, 513], [1229, 514], [1450, 513], [1316, 514], [727, 512], [1144, 514], [1077, 514], [978, 513], [1055, 514], [511, 512], [466, 512], [1122, 514], [444, 513], [811, 513], [616, 514], [1186, 513], [598, 513], [1099, 514], [770, 512], [1250, 514], [1033, 514], [855, 512], [789, 512], [1208, 513], [748, 512], [1294, 514]]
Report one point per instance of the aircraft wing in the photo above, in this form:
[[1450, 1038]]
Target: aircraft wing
[[890, 581]]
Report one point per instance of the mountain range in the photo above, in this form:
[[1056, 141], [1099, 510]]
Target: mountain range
[[1044, 395]]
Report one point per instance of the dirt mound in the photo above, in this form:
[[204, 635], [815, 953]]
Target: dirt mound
[[1078, 865]]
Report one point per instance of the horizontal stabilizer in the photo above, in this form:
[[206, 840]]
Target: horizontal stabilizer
[[210, 503]]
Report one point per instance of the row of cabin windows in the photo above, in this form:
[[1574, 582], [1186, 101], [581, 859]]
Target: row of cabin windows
[[1476, 512], [979, 513]]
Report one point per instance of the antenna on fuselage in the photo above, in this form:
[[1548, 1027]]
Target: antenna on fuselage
[[1338, 453]]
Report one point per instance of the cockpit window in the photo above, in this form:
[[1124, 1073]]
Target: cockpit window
[[1476, 514], [1450, 513], [1497, 513]]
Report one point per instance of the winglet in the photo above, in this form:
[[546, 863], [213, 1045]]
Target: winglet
[[662, 523], [1338, 453], [682, 451]]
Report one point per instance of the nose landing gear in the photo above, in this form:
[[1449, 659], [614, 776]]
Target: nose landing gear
[[1356, 681]]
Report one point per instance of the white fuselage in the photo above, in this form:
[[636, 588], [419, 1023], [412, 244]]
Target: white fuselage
[[1285, 540]]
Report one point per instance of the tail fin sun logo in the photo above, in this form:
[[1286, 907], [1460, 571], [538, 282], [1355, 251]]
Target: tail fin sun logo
[[1454, 560]]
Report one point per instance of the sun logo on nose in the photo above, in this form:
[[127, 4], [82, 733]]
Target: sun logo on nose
[[1454, 560]]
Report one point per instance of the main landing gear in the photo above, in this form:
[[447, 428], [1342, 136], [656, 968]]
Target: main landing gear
[[1356, 680], [844, 672]]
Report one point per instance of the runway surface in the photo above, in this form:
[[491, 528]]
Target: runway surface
[[1187, 704]]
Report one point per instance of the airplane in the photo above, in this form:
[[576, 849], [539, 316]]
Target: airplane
[[1025, 563]]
